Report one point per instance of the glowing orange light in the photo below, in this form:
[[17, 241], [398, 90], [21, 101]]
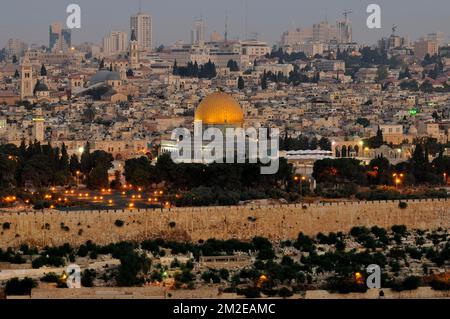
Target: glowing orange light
[[359, 278]]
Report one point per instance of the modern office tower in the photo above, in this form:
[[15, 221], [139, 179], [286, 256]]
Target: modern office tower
[[296, 36], [15, 47], [198, 32], [115, 43], [344, 31], [323, 32], [60, 39], [436, 36], [424, 47], [141, 23]]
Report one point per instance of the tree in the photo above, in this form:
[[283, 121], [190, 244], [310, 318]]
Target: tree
[[232, 65], [324, 144], [404, 74], [380, 171], [14, 59], [130, 73], [175, 68], [64, 159], [264, 81], [116, 184], [74, 164], [419, 164], [363, 121], [43, 70], [131, 265], [16, 74], [382, 73], [426, 87], [86, 161], [241, 83], [102, 64], [17, 287]]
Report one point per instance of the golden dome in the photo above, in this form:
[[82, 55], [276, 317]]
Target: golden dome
[[219, 109]]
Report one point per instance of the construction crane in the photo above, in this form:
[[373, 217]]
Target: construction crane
[[346, 13], [394, 28]]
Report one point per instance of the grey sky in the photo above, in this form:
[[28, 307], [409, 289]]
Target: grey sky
[[172, 19]]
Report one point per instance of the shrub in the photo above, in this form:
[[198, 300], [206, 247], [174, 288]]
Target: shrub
[[402, 205], [87, 278], [251, 293], [17, 287], [285, 292], [399, 229], [6, 226], [82, 251], [50, 277], [93, 255], [119, 223], [439, 284], [410, 283]]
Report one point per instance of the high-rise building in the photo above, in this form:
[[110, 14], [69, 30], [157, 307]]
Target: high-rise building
[[297, 36], [141, 23], [424, 47], [15, 47], [60, 39], [436, 36], [115, 43], [323, 32], [344, 31], [198, 32]]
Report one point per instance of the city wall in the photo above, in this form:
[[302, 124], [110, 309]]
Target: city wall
[[50, 227]]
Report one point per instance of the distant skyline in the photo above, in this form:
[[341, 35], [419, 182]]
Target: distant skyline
[[173, 19]]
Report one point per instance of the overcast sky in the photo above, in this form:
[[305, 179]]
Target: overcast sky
[[172, 19]]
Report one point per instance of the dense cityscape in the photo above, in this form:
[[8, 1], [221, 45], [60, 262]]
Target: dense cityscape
[[88, 177]]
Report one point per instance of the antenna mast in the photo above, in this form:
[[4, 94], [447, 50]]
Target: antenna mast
[[226, 26]]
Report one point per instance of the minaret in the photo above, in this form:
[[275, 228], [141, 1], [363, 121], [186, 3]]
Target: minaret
[[134, 51], [27, 84]]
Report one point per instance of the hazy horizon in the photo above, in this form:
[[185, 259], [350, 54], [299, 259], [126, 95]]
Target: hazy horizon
[[173, 19]]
